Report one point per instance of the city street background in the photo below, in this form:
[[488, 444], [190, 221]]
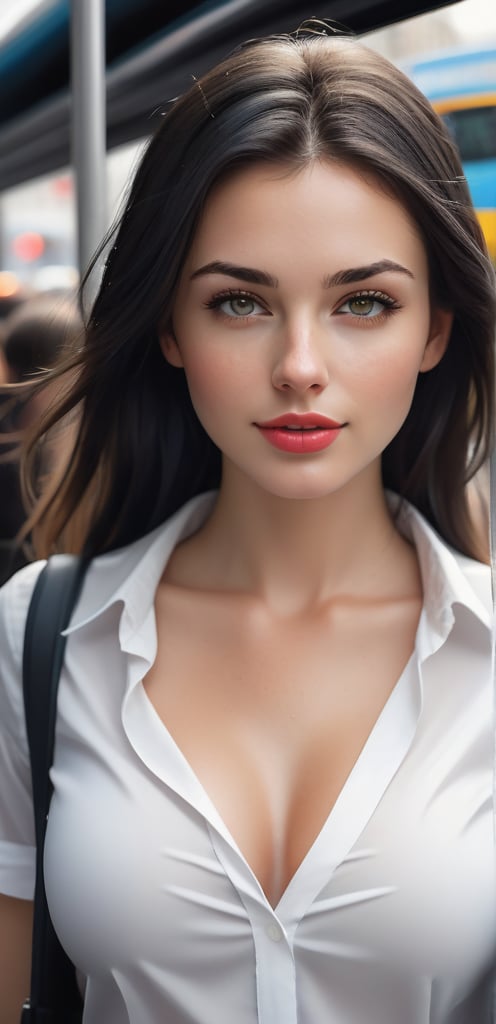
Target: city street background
[[45, 207]]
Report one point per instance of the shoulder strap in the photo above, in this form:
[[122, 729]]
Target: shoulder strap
[[52, 602]]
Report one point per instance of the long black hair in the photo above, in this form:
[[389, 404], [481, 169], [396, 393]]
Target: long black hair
[[138, 450]]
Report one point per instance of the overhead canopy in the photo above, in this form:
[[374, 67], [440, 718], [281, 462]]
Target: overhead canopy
[[153, 50]]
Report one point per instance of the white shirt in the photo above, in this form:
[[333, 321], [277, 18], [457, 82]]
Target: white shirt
[[389, 919]]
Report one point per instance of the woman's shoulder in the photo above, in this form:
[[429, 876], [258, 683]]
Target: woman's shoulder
[[15, 597]]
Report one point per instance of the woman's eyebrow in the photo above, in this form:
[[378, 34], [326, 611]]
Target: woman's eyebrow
[[253, 276], [354, 274], [241, 273]]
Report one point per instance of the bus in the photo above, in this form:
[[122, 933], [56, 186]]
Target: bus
[[461, 85]]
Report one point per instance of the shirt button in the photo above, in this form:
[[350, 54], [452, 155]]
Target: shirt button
[[274, 932]]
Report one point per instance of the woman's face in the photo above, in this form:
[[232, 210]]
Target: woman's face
[[304, 296]]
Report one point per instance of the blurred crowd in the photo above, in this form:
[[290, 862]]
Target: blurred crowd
[[36, 330]]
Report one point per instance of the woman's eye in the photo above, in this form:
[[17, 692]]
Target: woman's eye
[[236, 306], [367, 306], [240, 305]]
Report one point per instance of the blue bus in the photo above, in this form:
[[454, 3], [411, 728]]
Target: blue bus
[[461, 86]]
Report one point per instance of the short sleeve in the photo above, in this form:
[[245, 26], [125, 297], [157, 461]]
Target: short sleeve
[[17, 842]]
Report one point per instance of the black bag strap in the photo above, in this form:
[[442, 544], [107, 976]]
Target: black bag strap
[[54, 993]]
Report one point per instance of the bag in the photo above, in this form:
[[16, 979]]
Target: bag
[[54, 994]]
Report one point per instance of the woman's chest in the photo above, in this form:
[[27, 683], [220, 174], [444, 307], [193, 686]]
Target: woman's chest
[[138, 858], [400, 875], [272, 715]]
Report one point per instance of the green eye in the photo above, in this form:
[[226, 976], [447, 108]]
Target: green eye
[[368, 305], [363, 306]]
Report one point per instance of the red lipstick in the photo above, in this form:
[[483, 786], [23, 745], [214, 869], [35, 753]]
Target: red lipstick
[[300, 433]]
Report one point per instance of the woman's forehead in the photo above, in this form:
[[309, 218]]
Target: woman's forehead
[[327, 208]]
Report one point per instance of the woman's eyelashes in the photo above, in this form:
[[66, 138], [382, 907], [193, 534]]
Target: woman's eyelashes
[[366, 305], [236, 305]]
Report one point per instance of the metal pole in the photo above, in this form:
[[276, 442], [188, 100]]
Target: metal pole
[[89, 130]]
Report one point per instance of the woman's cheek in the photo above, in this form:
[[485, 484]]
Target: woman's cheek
[[215, 384]]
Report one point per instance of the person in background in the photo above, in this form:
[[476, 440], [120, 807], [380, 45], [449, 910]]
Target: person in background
[[273, 775], [34, 336]]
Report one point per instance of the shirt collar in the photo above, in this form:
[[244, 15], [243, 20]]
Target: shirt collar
[[131, 575], [449, 579]]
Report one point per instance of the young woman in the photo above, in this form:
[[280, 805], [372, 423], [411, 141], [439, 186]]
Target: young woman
[[272, 780]]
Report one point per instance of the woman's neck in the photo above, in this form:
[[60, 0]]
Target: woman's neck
[[297, 554]]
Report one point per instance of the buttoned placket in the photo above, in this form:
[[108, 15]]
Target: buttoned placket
[[273, 942]]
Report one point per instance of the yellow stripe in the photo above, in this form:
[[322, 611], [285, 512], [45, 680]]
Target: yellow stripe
[[487, 220], [483, 99]]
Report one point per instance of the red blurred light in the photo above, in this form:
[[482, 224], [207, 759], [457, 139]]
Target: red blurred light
[[63, 186], [29, 246]]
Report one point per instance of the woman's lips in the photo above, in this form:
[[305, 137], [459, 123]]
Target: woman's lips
[[300, 433]]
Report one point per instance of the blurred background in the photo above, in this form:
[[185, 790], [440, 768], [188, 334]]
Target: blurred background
[[451, 52]]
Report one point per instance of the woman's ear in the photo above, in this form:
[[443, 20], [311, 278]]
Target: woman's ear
[[439, 336], [169, 346]]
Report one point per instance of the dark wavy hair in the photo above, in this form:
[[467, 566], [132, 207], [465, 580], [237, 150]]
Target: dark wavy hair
[[139, 451]]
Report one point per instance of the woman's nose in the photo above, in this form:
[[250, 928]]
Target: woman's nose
[[300, 364]]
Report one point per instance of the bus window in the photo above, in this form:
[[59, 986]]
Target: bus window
[[474, 131]]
